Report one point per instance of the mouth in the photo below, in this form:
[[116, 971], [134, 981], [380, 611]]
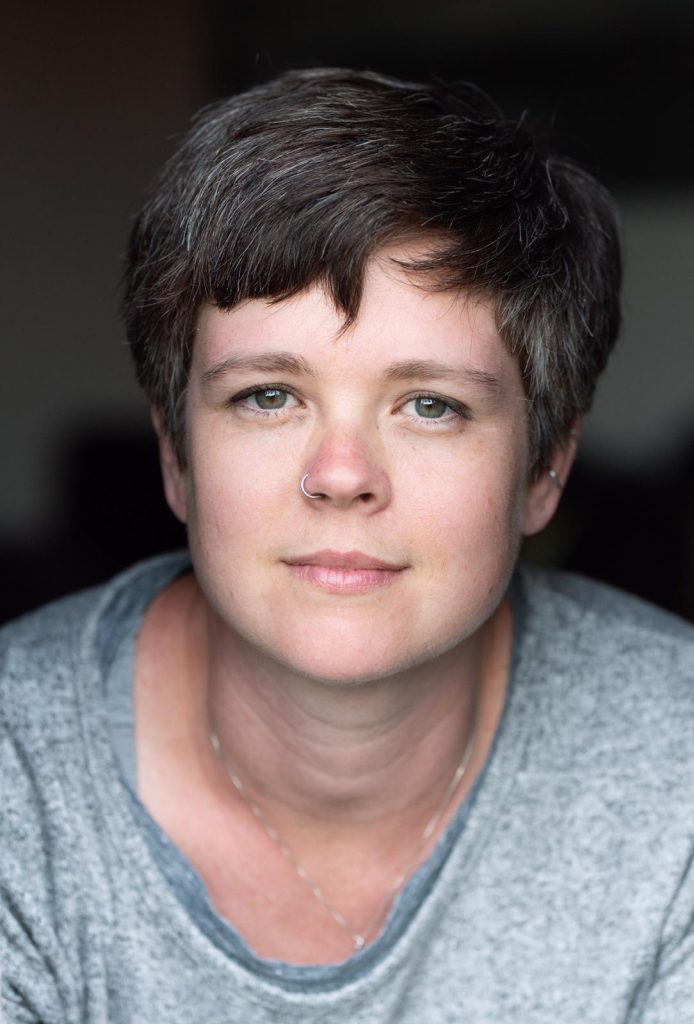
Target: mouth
[[346, 572]]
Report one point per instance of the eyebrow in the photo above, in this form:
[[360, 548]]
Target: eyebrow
[[260, 362], [431, 369], [402, 370]]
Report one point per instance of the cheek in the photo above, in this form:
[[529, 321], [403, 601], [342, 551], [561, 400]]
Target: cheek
[[237, 502], [216, 496], [469, 501]]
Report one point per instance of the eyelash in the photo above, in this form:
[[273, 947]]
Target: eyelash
[[457, 408], [258, 389]]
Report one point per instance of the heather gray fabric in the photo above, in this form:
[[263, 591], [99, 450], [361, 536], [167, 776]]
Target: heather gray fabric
[[566, 893]]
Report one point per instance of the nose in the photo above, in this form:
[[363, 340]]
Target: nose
[[347, 472]]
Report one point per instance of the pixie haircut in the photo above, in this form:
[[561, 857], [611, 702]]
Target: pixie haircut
[[302, 180]]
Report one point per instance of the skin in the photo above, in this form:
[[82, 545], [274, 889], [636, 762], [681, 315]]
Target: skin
[[342, 701]]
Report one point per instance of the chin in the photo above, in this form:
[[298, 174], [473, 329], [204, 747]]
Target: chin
[[352, 658], [336, 664]]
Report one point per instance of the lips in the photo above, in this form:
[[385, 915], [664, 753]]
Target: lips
[[344, 572], [331, 559]]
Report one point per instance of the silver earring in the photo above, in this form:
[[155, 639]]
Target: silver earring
[[303, 489], [554, 477]]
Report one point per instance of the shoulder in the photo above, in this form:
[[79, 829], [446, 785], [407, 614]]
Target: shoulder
[[611, 676], [46, 654], [582, 596], [604, 621], [40, 656]]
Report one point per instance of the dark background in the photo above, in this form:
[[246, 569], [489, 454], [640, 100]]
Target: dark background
[[95, 97]]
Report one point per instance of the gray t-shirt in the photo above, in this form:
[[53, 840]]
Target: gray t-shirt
[[562, 892]]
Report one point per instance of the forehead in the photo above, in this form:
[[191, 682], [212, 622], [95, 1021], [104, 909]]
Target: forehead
[[398, 319]]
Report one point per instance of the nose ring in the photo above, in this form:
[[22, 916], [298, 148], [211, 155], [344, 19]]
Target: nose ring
[[304, 491]]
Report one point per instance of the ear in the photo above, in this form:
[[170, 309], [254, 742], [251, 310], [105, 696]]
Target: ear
[[545, 493], [173, 474]]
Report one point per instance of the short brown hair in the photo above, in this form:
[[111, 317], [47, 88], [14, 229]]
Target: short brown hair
[[303, 179]]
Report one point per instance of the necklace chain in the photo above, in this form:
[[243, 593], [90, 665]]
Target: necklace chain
[[359, 938]]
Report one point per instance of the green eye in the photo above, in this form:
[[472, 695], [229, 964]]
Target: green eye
[[430, 408], [270, 398]]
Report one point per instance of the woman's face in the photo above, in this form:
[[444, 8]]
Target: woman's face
[[410, 424]]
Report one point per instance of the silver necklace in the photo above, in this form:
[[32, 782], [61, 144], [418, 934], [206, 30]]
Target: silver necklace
[[359, 938]]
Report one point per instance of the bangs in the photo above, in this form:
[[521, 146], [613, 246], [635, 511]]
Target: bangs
[[303, 180]]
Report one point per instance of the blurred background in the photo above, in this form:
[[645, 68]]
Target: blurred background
[[95, 97]]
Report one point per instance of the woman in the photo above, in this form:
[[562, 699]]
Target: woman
[[343, 762]]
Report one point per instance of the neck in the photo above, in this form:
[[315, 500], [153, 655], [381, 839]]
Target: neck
[[354, 761], [350, 777]]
